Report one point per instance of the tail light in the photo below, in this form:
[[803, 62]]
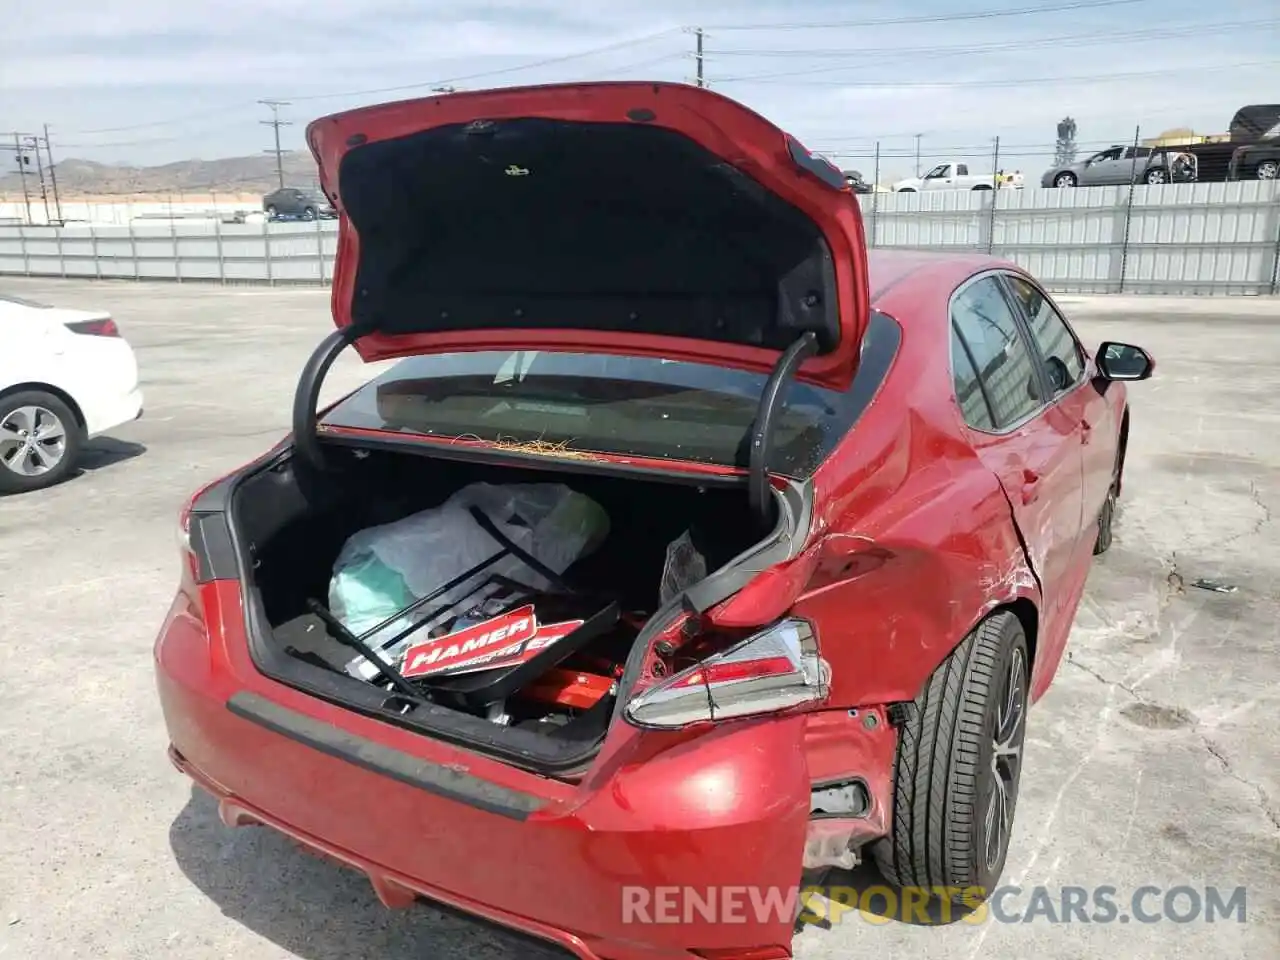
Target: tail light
[[776, 669], [105, 327], [190, 574], [189, 546]]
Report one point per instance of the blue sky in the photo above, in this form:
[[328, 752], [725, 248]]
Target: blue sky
[[149, 81]]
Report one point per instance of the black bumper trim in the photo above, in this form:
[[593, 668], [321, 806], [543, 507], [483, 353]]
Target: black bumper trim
[[376, 758]]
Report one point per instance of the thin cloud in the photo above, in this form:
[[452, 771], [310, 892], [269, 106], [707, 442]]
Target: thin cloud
[[167, 81]]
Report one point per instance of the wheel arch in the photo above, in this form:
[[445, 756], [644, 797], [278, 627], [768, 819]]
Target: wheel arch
[[1028, 615], [49, 388]]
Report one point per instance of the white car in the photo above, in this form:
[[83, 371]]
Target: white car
[[65, 376]]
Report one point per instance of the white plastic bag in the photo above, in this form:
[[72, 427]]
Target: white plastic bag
[[426, 550]]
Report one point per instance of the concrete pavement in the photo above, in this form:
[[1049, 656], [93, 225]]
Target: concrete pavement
[[1152, 761]]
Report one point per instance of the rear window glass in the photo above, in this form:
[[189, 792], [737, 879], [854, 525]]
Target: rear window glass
[[631, 406]]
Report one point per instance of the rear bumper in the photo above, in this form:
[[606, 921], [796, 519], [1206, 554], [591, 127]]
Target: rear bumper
[[106, 413], [393, 889], [561, 862], [113, 396]]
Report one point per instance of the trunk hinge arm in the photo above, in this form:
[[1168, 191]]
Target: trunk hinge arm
[[762, 428], [307, 394]]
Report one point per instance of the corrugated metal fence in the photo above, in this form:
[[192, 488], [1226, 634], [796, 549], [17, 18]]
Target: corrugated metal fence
[[1194, 238], [1200, 238]]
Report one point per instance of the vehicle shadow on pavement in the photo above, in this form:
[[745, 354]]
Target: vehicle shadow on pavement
[[318, 910], [866, 891], [107, 452]]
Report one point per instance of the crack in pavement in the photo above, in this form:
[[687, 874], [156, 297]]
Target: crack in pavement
[[1071, 659], [1174, 586], [1256, 497], [1264, 801]]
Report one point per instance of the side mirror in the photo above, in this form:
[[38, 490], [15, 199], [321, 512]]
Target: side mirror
[[1123, 361]]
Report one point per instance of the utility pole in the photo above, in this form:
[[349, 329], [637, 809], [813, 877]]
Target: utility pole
[[22, 173], [698, 56], [53, 177], [277, 123], [44, 193], [918, 136]]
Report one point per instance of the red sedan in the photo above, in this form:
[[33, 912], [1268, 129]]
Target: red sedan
[[717, 550]]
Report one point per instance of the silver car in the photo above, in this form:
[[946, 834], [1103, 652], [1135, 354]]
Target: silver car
[[1114, 165]]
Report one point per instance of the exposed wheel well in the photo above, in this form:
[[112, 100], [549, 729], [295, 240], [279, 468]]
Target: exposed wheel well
[[1123, 448], [48, 388], [1029, 617]]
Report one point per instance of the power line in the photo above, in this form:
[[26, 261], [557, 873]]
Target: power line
[[1009, 82], [1074, 40], [441, 82], [1100, 38], [651, 62], [930, 18], [165, 123], [207, 130], [276, 123], [503, 71]]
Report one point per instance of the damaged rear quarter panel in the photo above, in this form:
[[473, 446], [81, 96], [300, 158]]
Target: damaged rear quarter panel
[[918, 545]]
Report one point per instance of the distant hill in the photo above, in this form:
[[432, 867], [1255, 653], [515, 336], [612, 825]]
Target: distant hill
[[239, 176]]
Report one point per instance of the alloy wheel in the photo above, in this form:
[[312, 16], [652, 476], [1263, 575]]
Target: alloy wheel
[[33, 440], [1268, 169], [1065, 180], [1006, 758]]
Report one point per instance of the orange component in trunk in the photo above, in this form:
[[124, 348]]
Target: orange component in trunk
[[569, 688]]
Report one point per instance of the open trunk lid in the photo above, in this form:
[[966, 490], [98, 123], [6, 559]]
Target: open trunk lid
[[629, 218]]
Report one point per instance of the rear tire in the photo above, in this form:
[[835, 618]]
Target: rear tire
[[958, 766], [1267, 170], [1107, 515], [1157, 176], [1105, 519], [1065, 180], [40, 440]]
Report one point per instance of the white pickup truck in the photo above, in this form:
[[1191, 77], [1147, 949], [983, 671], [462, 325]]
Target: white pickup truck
[[954, 175]]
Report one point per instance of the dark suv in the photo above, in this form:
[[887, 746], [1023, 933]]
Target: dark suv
[[292, 202]]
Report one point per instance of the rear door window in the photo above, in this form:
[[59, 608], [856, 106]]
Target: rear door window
[[969, 393], [986, 325]]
